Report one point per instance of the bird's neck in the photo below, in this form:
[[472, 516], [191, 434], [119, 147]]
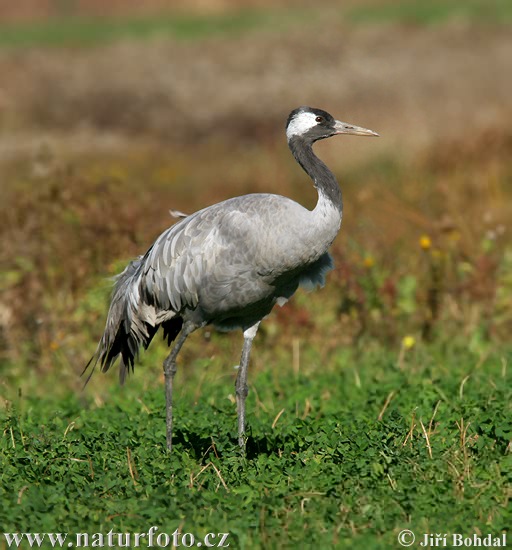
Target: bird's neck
[[329, 192]]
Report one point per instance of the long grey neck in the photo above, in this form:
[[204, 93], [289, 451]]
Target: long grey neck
[[323, 178]]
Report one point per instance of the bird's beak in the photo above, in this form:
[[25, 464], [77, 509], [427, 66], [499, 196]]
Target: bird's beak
[[345, 128]]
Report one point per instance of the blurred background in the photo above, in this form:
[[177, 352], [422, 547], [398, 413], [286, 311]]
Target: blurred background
[[113, 113]]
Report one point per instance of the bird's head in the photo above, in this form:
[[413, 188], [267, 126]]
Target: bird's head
[[314, 124]]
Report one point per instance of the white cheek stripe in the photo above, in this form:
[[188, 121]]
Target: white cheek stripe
[[300, 124]]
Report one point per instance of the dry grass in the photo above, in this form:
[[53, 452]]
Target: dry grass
[[417, 86], [98, 144]]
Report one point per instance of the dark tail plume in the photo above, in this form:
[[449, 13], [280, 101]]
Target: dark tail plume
[[126, 329]]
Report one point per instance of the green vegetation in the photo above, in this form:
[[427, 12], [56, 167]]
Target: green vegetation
[[381, 403], [436, 11], [70, 31], [86, 31], [345, 454]]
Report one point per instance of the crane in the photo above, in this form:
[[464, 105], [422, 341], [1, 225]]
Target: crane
[[228, 265]]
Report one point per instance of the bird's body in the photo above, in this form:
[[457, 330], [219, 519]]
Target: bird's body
[[228, 264]]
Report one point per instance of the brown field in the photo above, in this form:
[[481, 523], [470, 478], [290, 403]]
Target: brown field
[[96, 145]]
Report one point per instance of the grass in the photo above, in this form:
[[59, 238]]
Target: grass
[[385, 286], [88, 31], [379, 404], [437, 11], [344, 454], [72, 31]]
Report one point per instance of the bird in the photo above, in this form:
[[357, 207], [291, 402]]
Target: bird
[[228, 265]]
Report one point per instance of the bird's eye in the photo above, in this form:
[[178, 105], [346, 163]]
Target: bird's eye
[[319, 118]]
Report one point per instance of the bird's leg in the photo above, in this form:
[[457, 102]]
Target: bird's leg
[[169, 372], [241, 383]]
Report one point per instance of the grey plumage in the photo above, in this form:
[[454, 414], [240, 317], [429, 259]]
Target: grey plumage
[[228, 264]]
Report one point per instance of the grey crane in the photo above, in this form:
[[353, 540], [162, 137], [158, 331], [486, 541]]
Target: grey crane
[[228, 265]]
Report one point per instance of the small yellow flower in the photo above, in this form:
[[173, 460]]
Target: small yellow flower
[[368, 262], [54, 346], [408, 342], [425, 242]]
